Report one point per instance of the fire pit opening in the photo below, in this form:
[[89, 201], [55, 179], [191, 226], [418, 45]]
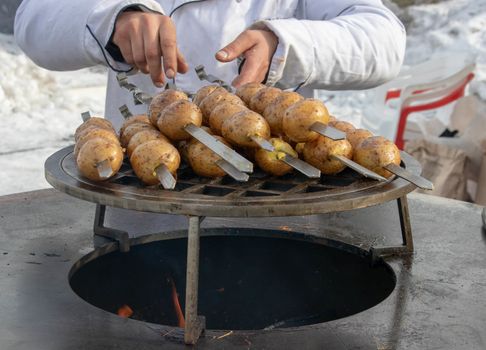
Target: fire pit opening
[[249, 279]]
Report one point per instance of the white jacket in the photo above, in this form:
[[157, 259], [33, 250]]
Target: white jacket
[[326, 44]]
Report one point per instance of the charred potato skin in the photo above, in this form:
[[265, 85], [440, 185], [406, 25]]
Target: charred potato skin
[[96, 150], [93, 122], [356, 136], [270, 163], [241, 126], [263, 98], [162, 100], [202, 93], [318, 153], [375, 152], [299, 118], [203, 161], [142, 137], [221, 113], [275, 111], [94, 133], [131, 130], [176, 116], [149, 155], [247, 91]]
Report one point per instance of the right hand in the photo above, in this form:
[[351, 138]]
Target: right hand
[[143, 38]]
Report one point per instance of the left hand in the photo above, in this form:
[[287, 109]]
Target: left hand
[[258, 47]]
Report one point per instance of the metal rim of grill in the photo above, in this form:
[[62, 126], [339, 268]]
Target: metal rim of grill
[[262, 195]]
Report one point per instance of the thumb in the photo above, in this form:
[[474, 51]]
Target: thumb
[[236, 48]]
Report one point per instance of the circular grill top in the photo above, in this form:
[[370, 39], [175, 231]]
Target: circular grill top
[[263, 195]]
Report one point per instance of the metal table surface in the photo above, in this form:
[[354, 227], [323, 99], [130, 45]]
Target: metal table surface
[[439, 301]]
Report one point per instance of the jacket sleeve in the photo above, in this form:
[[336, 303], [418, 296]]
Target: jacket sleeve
[[69, 35], [337, 45]]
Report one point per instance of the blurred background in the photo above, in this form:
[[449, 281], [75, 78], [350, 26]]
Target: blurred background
[[446, 47]]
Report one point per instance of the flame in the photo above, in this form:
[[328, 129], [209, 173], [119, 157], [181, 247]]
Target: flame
[[125, 311], [177, 307]]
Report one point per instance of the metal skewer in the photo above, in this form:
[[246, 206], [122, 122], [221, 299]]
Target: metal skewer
[[232, 171], [328, 131], [237, 162], [299, 165], [104, 169], [165, 177], [418, 181], [202, 75], [125, 112], [358, 168], [85, 116]]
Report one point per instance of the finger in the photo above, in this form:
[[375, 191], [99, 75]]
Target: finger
[[153, 55], [254, 69], [126, 51], [168, 44], [242, 43], [182, 66], [138, 52]]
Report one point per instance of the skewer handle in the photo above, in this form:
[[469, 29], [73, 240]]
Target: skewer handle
[[202, 75], [85, 116], [229, 155], [232, 171], [303, 167], [358, 168], [328, 131], [125, 112], [262, 143], [165, 177], [417, 180]]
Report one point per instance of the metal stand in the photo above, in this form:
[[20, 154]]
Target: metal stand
[[406, 228], [195, 324], [110, 233]]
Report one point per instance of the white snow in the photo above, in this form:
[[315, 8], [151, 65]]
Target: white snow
[[40, 110]]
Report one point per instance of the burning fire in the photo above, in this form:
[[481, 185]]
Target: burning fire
[[125, 311], [177, 307]]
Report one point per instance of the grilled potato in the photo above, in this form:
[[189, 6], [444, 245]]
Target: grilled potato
[[341, 125], [176, 116], [221, 113], [203, 161], [318, 153], [95, 151], [202, 93], [263, 98], [270, 162], [162, 100], [356, 136], [131, 130], [375, 152], [301, 116], [247, 91], [140, 118], [275, 111], [94, 122], [214, 99], [89, 134], [240, 127], [142, 137]]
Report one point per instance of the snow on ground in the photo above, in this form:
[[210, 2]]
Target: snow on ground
[[39, 110]]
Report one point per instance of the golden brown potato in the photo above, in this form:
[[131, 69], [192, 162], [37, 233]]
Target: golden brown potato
[[275, 111], [341, 125], [300, 148], [247, 91], [203, 161], [270, 162], [217, 97], [176, 116], [142, 137], [139, 118], [162, 100], [299, 118], [202, 93], [318, 153], [149, 155], [332, 118], [91, 134], [356, 136], [95, 151], [131, 130], [263, 98], [221, 113], [93, 122], [239, 128], [375, 152]]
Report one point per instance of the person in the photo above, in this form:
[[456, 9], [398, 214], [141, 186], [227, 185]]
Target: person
[[325, 44], [297, 44]]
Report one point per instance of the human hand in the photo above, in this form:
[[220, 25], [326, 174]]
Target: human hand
[[143, 38], [258, 47]]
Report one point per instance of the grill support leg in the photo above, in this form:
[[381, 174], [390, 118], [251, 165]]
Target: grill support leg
[[406, 228], [112, 234], [194, 324]]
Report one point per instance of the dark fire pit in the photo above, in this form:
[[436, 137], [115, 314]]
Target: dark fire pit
[[249, 279]]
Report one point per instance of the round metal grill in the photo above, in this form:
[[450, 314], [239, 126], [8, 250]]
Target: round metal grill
[[262, 195]]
